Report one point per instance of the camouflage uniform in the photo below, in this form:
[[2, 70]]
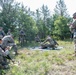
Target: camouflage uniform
[[3, 61], [8, 41], [21, 36], [51, 43], [9, 32], [74, 36], [73, 30], [37, 39]]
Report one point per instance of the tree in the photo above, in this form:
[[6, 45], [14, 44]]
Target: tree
[[61, 9], [26, 22], [8, 14], [45, 12], [61, 28], [38, 22]]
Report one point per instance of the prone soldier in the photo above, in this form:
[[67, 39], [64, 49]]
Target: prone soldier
[[51, 43]]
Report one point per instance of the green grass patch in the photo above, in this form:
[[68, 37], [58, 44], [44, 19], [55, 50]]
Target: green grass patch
[[42, 62]]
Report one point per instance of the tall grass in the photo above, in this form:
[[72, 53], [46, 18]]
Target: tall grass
[[52, 62]]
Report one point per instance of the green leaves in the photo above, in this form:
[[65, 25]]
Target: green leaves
[[61, 27]]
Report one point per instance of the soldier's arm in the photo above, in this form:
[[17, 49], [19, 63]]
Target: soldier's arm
[[55, 42], [74, 24], [45, 41]]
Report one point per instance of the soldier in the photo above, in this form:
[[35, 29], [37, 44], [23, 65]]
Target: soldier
[[9, 41], [3, 60], [2, 33], [51, 43], [7, 54], [9, 32], [72, 27], [4, 55], [37, 38], [21, 36], [3, 63]]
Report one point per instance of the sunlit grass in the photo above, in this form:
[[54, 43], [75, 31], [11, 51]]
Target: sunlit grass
[[52, 62]]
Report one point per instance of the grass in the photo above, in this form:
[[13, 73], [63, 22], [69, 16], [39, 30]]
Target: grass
[[52, 62]]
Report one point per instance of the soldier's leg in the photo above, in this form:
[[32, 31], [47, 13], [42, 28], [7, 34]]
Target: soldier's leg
[[3, 63], [43, 46], [52, 46], [75, 46], [15, 49], [19, 39], [22, 41]]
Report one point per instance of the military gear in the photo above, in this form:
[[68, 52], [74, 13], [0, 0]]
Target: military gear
[[4, 55], [72, 26], [21, 37], [22, 33], [3, 61], [49, 42], [37, 39], [9, 32], [8, 41]]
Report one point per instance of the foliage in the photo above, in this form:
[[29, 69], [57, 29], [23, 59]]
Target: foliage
[[61, 28], [16, 16], [61, 9], [8, 14]]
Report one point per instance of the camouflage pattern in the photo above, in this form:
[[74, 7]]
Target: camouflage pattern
[[1, 55], [8, 41], [74, 31], [37, 38], [50, 43], [9, 32], [4, 55], [74, 39], [3, 60], [72, 27], [21, 33], [21, 37]]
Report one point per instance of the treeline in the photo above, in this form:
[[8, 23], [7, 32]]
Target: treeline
[[15, 16]]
